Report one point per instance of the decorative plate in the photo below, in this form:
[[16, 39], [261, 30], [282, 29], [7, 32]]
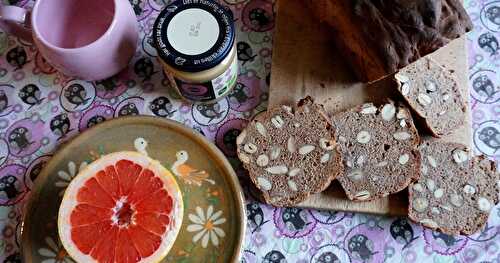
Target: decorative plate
[[214, 217]]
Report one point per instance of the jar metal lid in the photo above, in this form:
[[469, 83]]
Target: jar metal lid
[[194, 35]]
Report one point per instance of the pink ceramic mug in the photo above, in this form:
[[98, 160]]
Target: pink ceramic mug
[[88, 39]]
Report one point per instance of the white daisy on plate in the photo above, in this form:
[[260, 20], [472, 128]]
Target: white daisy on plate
[[54, 253], [66, 176], [207, 225]]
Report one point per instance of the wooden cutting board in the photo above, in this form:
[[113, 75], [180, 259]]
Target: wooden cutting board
[[305, 63]]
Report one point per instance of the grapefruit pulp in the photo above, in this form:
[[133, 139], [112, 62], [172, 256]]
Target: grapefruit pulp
[[123, 207]]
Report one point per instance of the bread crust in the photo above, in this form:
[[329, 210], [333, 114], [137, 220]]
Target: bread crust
[[380, 37]]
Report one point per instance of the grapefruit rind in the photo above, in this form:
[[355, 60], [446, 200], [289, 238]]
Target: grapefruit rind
[[70, 201]]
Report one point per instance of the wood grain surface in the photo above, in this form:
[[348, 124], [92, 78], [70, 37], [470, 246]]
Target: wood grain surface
[[305, 62]]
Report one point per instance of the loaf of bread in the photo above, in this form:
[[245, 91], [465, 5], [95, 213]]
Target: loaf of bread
[[379, 150], [290, 152], [433, 93], [380, 37], [455, 192]]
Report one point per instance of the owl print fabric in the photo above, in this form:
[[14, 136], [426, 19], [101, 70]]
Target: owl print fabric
[[41, 109]]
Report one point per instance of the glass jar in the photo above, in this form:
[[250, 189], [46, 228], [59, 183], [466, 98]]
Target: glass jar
[[195, 40]]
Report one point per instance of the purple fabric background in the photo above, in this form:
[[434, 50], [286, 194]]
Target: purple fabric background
[[43, 107]]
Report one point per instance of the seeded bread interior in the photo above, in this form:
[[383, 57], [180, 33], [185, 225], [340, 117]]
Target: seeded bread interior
[[290, 152], [379, 150], [455, 192], [432, 92]]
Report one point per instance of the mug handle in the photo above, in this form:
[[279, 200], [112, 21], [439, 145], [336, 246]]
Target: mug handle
[[16, 20]]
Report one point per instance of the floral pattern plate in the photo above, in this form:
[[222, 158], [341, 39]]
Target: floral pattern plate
[[214, 220]]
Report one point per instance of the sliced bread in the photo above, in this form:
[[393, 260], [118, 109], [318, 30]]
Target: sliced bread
[[433, 93], [290, 152], [455, 192], [379, 150]]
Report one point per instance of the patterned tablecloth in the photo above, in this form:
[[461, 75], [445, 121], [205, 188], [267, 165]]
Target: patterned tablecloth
[[34, 106]]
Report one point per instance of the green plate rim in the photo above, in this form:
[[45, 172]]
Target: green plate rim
[[229, 172]]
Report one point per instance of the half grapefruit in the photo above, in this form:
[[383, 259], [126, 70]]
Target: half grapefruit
[[123, 207]]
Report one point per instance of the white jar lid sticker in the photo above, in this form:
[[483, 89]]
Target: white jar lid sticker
[[193, 31]]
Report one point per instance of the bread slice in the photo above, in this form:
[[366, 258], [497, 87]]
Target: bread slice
[[379, 150], [433, 93], [455, 192], [380, 37], [290, 152]]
